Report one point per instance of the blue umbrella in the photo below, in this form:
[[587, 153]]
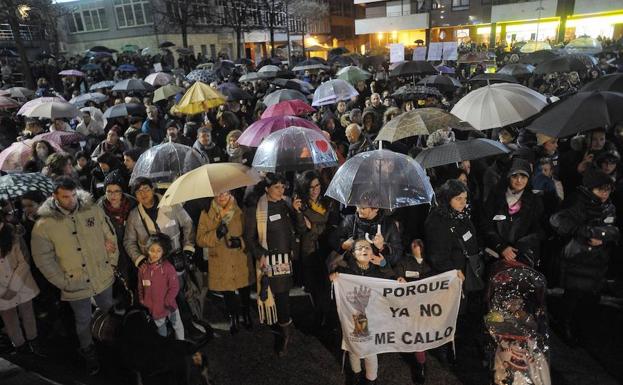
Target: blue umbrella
[[203, 76], [102, 85], [127, 68]]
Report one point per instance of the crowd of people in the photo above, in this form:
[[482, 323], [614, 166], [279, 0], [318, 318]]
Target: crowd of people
[[551, 203]]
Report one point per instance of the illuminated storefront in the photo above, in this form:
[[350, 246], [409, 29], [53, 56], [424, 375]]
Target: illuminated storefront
[[609, 25]]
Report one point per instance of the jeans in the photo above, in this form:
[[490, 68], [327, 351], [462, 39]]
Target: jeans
[[83, 313], [11, 318], [176, 322]]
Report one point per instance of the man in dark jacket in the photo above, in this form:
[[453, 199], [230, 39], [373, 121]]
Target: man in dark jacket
[[589, 227], [369, 223], [206, 148]]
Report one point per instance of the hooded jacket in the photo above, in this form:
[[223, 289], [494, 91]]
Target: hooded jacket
[[70, 249], [15, 276], [158, 286]]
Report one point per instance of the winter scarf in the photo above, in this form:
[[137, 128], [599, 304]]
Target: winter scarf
[[317, 207], [118, 215], [225, 213], [235, 154], [267, 308], [451, 213], [514, 201]]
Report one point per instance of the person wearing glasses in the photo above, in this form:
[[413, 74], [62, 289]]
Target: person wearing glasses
[[364, 261], [117, 206], [589, 227]]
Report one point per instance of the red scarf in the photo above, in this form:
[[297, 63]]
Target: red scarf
[[118, 215]]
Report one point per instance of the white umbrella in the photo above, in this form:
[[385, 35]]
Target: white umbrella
[[332, 92], [28, 106], [159, 79], [584, 44], [20, 92], [268, 71], [533, 46], [54, 110], [498, 105], [80, 100], [249, 77]]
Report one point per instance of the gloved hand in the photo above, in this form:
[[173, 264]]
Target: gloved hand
[[221, 230]]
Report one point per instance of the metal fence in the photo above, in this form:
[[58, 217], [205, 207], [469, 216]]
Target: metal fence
[[27, 32]]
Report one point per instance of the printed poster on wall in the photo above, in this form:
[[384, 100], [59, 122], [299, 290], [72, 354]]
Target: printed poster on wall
[[396, 53]]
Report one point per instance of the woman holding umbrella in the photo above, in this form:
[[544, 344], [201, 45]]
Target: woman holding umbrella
[[229, 267], [270, 237], [41, 150]]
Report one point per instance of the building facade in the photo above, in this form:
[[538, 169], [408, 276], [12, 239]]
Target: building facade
[[489, 22]]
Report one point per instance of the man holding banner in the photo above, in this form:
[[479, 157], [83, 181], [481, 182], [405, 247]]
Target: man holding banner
[[381, 316]]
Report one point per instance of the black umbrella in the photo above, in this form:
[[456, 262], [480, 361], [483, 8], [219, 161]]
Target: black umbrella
[[133, 85], [224, 69], [441, 82], [581, 112], [166, 44], [612, 82], [373, 61], [309, 64], [294, 84], [269, 61], [15, 185], [560, 64], [455, 152], [318, 59], [123, 110], [233, 92], [100, 48], [538, 57], [517, 70], [416, 67], [410, 92], [338, 51], [343, 61], [493, 78], [5, 52], [588, 60], [184, 51]]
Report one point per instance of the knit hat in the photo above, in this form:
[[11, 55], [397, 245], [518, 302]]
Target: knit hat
[[541, 139], [115, 178], [520, 166], [594, 178]]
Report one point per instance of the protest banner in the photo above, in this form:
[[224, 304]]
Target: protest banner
[[396, 53], [450, 50], [435, 50], [419, 53], [381, 316]]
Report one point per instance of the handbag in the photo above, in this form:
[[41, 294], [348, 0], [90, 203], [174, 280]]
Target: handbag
[[474, 268], [105, 326]]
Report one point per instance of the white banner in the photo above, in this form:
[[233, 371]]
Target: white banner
[[450, 50], [419, 53], [435, 50], [381, 316], [396, 53]]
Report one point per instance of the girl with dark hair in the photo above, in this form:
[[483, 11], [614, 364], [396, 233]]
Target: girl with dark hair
[[106, 164], [270, 237], [41, 150], [112, 144], [17, 290]]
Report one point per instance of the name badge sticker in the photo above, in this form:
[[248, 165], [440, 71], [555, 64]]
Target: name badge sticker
[[275, 217]]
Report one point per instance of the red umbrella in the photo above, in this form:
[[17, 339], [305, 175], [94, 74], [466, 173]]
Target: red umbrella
[[17, 154], [62, 138], [288, 107], [255, 133]]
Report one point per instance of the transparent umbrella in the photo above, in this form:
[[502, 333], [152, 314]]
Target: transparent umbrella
[[332, 92], [382, 179], [165, 162], [294, 149], [584, 44]]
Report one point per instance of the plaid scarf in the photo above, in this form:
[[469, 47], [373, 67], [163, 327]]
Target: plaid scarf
[[118, 215]]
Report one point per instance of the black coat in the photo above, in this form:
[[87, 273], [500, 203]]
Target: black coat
[[445, 238], [522, 230], [410, 269], [583, 266], [373, 270], [354, 227]]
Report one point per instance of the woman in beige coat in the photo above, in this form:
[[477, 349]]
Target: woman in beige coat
[[17, 289], [229, 267]]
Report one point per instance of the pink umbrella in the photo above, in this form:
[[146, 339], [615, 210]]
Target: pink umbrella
[[72, 73], [17, 154], [6, 102], [288, 107], [28, 106], [255, 133], [61, 138]]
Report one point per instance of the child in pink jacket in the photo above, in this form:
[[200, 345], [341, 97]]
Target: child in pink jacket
[[158, 285]]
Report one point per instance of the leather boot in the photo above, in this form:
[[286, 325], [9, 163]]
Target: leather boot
[[246, 319], [234, 325], [357, 378], [419, 373], [285, 338], [370, 382]]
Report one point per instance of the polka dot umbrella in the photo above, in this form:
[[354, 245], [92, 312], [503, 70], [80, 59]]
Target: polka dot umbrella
[[15, 185]]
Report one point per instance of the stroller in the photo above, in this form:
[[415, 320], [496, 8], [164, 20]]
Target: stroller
[[517, 325]]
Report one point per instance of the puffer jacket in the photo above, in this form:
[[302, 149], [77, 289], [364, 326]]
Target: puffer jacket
[[584, 267], [157, 287], [354, 227], [70, 249], [15, 276], [173, 221]]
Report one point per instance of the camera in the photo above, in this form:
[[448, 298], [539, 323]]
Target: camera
[[234, 243]]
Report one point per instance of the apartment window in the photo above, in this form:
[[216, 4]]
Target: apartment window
[[87, 20], [458, 5], [133, 13]]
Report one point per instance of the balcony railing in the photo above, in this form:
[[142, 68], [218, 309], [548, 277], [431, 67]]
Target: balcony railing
[[27, 32]]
